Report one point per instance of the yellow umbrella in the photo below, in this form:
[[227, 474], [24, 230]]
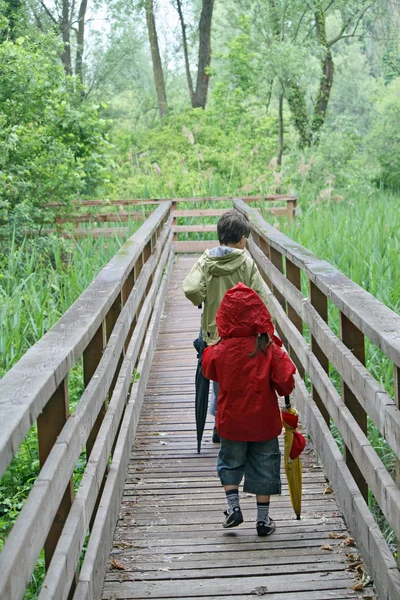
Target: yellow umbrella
[[294, 444]]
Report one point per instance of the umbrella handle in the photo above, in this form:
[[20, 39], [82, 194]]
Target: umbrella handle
[[287, 401]]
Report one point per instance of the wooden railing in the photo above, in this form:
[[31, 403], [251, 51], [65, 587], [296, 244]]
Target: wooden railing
[[113, 327], [287, 208], [283, 263]]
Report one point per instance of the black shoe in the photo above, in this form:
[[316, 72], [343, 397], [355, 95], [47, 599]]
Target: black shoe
[[215, 436], [264, 529], [233, 518]]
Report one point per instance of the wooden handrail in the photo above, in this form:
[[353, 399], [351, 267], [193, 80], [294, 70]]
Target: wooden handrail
[[43, 371], [134, 201], [361, 315]]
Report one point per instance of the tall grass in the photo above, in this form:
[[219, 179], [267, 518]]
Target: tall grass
[[361, 238]]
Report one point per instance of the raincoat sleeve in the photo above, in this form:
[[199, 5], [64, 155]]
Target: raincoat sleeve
[[282, 371], [194, 284], [208, 363], [257, 284]]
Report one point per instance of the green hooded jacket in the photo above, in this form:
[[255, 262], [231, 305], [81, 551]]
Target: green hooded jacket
[[216, 272]]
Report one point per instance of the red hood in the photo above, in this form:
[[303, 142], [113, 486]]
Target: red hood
[[242, 313]]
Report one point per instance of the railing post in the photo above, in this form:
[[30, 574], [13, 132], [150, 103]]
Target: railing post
[[49, 424], [320, 303], [266, 249], [291, 209], [111, 318], [174, 222], [91, 358], [293, 274], [353, 338], [396, 383], [277, 260]]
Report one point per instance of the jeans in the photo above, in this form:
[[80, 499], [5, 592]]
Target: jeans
[[258, 462]]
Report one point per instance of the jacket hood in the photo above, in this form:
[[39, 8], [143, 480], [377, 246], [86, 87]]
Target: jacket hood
[[242, 313], [218, 266]]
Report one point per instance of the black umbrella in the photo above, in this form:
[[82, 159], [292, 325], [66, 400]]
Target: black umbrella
[[202, 385]]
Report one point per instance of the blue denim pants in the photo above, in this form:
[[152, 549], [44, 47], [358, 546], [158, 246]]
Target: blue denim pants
[[258, 462]]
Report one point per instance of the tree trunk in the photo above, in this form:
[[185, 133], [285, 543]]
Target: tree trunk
[[65, 30], [156, 59], [80, 40], [326, 80], [185, 51], [200, 94], [324, 93], [281, 131], [296, 98]]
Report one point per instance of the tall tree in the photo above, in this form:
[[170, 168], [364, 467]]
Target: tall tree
[[63, 17], [198, 96], [80, 39], [156, 59]]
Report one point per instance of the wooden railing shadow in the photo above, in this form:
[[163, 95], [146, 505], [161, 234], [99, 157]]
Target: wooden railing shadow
[[113, 326], [283, 263]]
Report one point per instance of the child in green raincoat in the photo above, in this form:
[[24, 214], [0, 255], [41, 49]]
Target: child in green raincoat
[[217, 271]]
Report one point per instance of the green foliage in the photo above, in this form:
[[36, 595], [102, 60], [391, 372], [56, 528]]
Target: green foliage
[[52, 145], [196, 153], [385, 136]]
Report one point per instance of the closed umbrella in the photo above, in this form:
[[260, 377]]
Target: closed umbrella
[[294, 444], [202, 386]]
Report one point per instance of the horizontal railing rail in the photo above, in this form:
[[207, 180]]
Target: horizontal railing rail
[[136, 209], [112, 327], [282, 263]]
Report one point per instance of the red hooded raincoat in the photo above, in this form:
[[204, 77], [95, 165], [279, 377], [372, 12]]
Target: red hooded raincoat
[[248, 409]]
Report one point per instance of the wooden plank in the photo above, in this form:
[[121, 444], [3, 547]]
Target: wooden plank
[[194, 228], [124, 202], [196, 247], [380, 324], [113, 217], [58, 578], [27, 387], [216, 586], [96, 555], [206, 212]]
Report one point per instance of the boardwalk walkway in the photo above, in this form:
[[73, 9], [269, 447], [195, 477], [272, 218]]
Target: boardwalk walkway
[[169, 542]]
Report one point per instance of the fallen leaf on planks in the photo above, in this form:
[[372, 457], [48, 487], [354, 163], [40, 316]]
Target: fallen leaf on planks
[[358, 586], [328, 490], [337, 536], [115, 564], [349, 541], [327, 547]]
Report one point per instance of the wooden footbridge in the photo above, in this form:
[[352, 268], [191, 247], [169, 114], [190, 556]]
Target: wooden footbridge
[[145, 521]]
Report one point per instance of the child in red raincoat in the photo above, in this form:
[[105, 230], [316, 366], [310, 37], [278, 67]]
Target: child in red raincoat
[[250, 367]]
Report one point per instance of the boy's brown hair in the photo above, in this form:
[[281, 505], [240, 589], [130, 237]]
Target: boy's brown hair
[[231, 227]]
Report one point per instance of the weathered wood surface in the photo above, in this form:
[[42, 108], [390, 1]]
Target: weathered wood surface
[[195, 247], [268, 198], [169, 542], [26, 388], [372, 544]]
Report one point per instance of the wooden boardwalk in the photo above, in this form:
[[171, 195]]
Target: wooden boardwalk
[[169, 542]]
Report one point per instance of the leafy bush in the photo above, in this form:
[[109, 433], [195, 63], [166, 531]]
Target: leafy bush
[[52, 143]]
